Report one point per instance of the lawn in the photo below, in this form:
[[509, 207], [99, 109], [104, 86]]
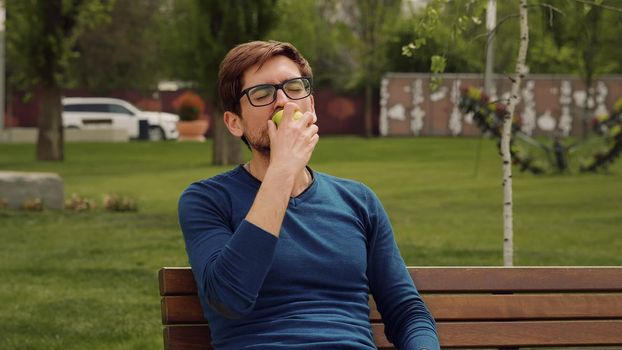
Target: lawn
[[88, 280]]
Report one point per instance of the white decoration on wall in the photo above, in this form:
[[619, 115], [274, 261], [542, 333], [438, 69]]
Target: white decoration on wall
[[439, 94], [579, 99], [601, 97], [384, 97], [468, 118], [493, 94], [397, 112], [417, 114], [416, 123], [529, 111], [565, 101], [455, 119], [546, 121]]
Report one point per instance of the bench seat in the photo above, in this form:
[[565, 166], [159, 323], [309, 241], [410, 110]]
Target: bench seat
[[474, 307]]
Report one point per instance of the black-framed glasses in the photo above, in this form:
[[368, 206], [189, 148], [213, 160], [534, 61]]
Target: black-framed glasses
[[264, 94]]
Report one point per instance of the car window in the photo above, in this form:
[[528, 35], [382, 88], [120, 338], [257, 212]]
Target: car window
[[86, 107], [119, 109]]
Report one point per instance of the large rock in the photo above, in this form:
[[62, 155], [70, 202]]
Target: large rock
[[19, 187]]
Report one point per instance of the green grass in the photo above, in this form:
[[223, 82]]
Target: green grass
[[88, 280]]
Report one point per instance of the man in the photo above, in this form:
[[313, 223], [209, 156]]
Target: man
[[284, 257]]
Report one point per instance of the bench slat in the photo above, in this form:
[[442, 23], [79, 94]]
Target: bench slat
[[187, 309], [461, 334], [517, 279], [179, 281]]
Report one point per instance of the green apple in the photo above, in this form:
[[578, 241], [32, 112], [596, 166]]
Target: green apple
[[276, 118]]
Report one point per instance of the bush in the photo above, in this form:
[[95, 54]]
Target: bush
[[79, 204], [32, 204], [189, 106], [116, 202]]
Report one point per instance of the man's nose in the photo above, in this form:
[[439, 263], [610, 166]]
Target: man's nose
[[281, 98]]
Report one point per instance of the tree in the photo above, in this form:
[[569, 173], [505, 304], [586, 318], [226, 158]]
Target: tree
[[41, 35], [521, 71], [584, 38], [120, 53], [220, 25], [372, 21], [318, 32], [588, 51]]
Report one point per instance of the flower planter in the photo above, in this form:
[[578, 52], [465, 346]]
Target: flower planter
[[192, 130]]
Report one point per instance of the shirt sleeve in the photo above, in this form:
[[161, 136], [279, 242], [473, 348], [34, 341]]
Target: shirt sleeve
[[229, 263], [408, 322]]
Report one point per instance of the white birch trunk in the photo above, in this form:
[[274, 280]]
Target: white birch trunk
[[508, 231]]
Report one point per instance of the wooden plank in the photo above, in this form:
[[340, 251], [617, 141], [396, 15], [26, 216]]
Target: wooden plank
[[187, 309], [198, 337], [179, 281], [517, 279], [184, 309], [530, 334], [461, 334], [524, 307], [187, 338], [176, 281]]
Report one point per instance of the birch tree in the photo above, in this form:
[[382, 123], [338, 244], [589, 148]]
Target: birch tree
[[521, 70]]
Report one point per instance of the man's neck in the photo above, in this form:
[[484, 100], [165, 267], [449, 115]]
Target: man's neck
[[258, 166]]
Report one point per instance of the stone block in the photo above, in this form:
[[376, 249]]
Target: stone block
[[18, 187]]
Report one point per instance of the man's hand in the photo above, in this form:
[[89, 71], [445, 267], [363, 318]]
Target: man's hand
[[292, 144]]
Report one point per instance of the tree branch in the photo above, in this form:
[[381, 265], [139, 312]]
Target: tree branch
[[606, 7]]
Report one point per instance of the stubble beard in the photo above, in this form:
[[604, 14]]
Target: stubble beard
[[260, 143]]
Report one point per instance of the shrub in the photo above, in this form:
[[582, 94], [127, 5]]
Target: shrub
[[116, 202], [189, 106], [32, 204], [79, 204]]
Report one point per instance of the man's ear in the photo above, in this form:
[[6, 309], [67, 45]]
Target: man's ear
[[233, 123], [312, 104]]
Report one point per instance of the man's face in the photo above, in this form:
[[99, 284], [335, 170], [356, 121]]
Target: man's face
[[255, 119]]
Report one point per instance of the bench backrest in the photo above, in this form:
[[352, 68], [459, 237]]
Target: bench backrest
[[474, 307]]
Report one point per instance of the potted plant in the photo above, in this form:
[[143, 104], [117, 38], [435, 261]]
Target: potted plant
[[192, 125]]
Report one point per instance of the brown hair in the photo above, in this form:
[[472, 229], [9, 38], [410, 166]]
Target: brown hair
[[246, 55]]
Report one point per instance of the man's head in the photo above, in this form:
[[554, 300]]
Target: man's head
[[244, 56], [252, 65]]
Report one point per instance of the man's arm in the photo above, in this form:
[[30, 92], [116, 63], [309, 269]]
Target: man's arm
[[291, 147]]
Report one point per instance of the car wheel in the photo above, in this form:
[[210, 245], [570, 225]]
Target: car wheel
[[156, 134]]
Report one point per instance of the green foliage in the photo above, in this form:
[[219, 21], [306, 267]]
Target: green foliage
[[444, 37], [121, 52], [220, 25], [325, 41], [577, 38], [41, 38]]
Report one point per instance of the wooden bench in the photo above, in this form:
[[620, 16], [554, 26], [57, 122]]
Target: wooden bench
[[475, 307]]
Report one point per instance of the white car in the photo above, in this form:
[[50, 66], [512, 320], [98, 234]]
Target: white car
[[102, 112]]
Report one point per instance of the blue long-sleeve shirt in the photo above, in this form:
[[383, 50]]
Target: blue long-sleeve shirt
[[308, 288]]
